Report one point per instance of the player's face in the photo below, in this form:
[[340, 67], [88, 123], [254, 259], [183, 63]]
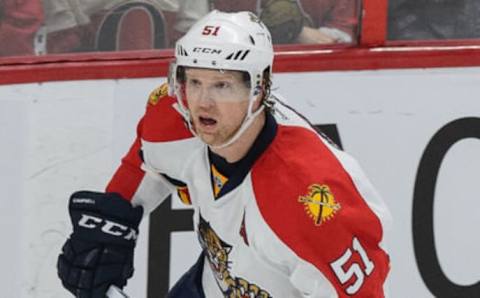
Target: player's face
[[218, 103]]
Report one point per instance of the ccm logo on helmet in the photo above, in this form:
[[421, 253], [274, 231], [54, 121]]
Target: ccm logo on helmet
[[207, 50], [108, 227]]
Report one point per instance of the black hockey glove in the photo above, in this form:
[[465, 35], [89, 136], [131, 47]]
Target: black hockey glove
[[99, 252]]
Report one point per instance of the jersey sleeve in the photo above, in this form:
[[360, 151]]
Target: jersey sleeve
[[134, 179], [322, 216], [134, 183]]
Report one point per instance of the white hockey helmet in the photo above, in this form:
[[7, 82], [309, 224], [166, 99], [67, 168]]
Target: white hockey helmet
[[225, 41]]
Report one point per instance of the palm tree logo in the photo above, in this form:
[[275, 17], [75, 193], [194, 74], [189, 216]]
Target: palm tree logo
[[320, 203]]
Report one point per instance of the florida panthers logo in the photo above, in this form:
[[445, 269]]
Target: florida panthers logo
[[217, 252], [320, 203]]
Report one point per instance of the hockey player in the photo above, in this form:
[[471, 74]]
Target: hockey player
[[279, 211]]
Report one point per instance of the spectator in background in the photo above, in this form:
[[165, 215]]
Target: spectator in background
[[19, 22], [289, 21], [193, 10], [333, 21], [103, 25], [76, 25], [434, 19]]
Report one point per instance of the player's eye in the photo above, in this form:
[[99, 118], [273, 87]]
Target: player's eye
[[194, 82], [222, 85]]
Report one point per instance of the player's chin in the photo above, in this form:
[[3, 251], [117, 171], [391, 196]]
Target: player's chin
[[212, 140], [207, 138]]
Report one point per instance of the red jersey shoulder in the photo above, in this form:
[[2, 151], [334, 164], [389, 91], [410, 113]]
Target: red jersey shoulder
[[161, 122], [157, 94], [307, 176], [307, 181], [312, 204]]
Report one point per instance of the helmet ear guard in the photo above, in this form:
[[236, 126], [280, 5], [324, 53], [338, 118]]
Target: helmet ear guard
[[172, 72]]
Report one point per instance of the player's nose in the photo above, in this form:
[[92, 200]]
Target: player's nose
[[205, 98]]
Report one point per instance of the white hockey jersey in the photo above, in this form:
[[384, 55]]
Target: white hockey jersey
[[295, 218]]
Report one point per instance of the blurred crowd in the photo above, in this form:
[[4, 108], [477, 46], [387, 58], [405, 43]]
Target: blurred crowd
[[433, 19], [19, 22], [37, 27]]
